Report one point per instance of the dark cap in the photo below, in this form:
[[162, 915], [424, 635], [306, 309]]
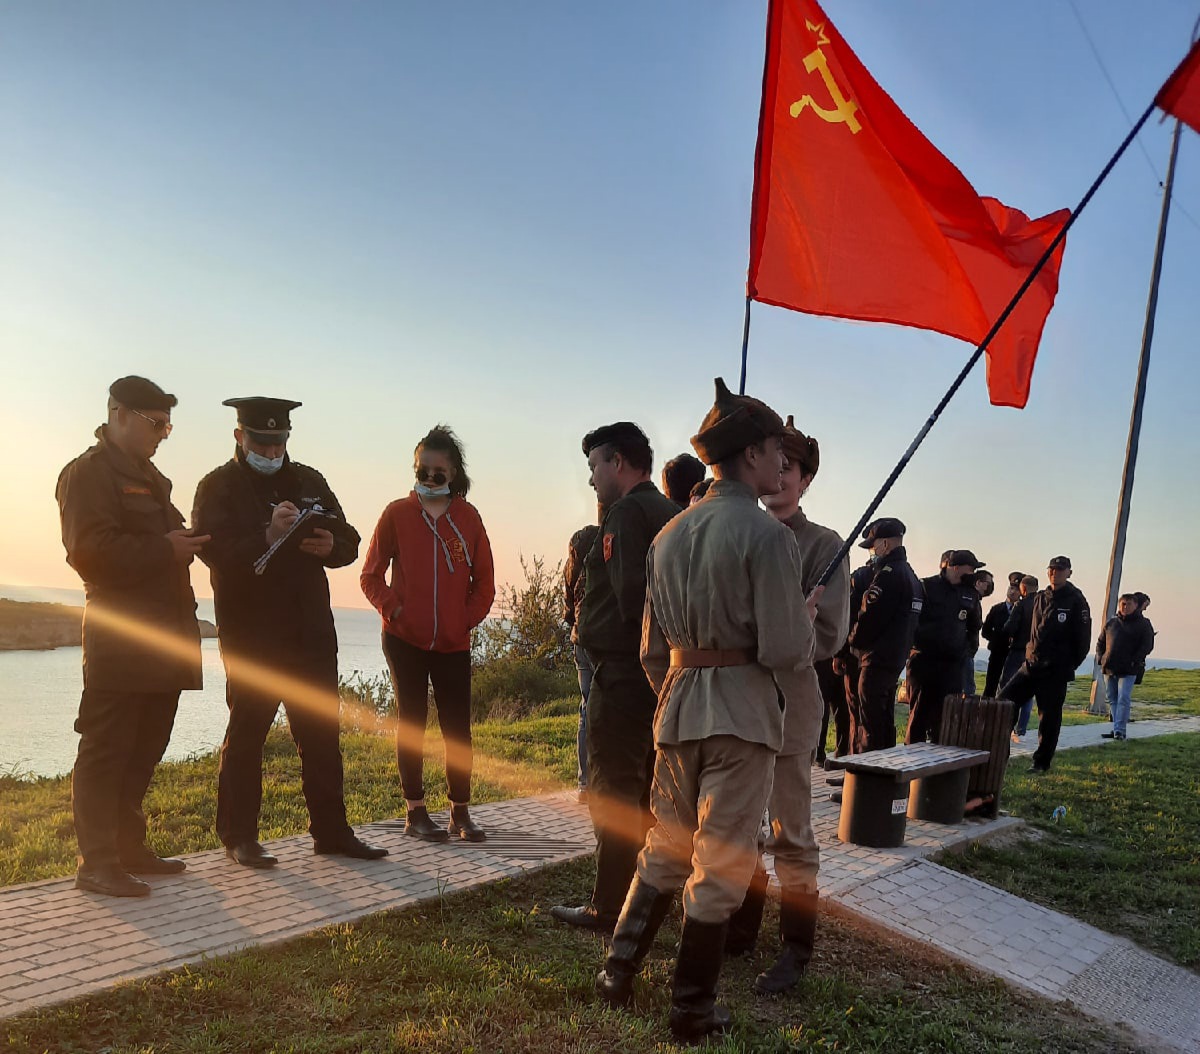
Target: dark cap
[[1014, 577], [137, 393], [957, 557], [801, 449], [1061, 562], [263, 415], [888, 527], [625, 431], [734, 423]]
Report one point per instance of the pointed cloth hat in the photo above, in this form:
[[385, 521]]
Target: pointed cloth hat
[[800, 449], [734, 423]]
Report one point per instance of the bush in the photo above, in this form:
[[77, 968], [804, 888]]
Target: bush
[[530, 625], [513, 687]]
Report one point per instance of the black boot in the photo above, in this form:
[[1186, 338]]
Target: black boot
[[417, 824], [462, 826], [744, 925], [645, 908], [798, 928], [694, 1010]]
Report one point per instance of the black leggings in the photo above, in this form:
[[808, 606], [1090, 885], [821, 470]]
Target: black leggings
[[412, 669]]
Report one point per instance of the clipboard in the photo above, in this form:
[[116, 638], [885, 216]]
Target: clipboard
[[301, 527]]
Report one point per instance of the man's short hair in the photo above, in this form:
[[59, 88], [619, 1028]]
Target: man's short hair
[[1029, 581], [624, 438], [680, 475]]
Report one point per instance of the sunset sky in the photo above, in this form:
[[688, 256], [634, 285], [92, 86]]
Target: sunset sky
[[530, 219]]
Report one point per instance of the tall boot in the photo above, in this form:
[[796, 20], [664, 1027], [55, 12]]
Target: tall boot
[[694, 1010], [798, 928], [643, 914], [745, 922]]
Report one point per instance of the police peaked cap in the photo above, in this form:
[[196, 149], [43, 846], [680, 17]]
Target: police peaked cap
[[137, 393], [888, 527], [801, 449], [964, 557], [734, 423], [1063, 563], [264, 415], [615, 433]]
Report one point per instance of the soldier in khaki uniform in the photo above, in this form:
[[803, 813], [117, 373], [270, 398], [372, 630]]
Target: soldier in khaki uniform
[[725, 637]]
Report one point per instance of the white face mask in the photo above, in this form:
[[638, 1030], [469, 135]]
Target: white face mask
[[432, 492], [268, 466]]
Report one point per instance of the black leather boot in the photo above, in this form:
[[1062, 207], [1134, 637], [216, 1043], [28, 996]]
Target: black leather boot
[[417, 824], [798, 928], [645, 908], [462, 826], [745, 923], [694, 1010]]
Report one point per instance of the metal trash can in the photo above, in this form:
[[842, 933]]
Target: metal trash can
[[981, 724]]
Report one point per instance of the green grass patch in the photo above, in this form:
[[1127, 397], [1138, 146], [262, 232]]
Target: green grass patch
[[489, 971]]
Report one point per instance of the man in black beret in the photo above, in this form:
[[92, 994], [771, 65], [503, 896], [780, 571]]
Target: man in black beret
[[620, 711], [276, 627], [141, 643]]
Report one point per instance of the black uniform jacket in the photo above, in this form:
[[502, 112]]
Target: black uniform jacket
[[887, 618], [139, 621], [1124, 644], [860, 579], [1062, 631], [614, 570], [1020, 623], [993, 627], [286, 609], [949, 619]]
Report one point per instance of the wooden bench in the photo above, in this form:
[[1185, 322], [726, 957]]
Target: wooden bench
[[927, 781]]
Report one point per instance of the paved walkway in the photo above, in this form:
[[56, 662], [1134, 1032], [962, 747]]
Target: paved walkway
[[57, 943]]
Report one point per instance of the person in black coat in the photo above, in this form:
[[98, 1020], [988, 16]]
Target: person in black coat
[[275, 627], [1121, 651], [999, 642], [1018, 627]]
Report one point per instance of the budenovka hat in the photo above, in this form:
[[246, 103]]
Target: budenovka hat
[[734, 423], [801, 449]]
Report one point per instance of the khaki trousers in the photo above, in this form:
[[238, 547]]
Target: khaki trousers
[[708, 800], [793, 841]]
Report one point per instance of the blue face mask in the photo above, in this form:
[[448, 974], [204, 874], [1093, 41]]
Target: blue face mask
[[432, 492], [268, 466]]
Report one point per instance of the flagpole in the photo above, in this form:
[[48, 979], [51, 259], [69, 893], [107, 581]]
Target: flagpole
[[1097, 702], [982, 347], [745, 346]]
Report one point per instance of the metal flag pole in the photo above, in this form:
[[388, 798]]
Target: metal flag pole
[[1097, 703], [745, 346], [852, 537]]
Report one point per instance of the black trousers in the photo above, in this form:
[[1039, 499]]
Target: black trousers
[[122, 736], [833, 693], [1049, 688], [413, 669], [873, 708], [995, 670], [308, 690], [620, 749], [930, 680]]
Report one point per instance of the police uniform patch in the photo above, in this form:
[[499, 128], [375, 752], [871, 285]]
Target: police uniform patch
[[872, 594], [1062, 616], [962, 615], [608, 542]]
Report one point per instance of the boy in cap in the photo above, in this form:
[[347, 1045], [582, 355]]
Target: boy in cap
[[141, 643], [726, 639], [276, 628]]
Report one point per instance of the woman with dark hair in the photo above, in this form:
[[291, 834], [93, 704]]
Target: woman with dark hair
[[441, 586]]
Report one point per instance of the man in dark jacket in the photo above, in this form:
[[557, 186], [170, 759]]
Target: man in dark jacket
[[949, 619], [577, 549], [1121, 651], [621, 704], [141, 644], [845, 663], [999, 642], [275, 626], [1058, 643]]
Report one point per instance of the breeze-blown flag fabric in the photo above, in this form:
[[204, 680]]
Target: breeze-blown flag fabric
[[1180, 96], [857, 215]]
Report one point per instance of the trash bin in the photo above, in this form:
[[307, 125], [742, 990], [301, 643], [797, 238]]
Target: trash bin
[[981, 724]]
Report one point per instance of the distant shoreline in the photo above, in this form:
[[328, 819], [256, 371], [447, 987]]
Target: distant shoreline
[[35, 626]]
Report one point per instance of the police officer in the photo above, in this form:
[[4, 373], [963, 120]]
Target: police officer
[[141, 644], [845, 663], [950, 618], [1058, 642], [882, 635], [621, 703], [275, 627]]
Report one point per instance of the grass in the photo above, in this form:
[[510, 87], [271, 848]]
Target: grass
[[488, 971]]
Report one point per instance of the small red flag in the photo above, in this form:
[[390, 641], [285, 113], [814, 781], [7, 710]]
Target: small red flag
[[1180, 96], [857, 215]]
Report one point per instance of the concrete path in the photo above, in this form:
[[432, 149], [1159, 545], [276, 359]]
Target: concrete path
[[57, 943]]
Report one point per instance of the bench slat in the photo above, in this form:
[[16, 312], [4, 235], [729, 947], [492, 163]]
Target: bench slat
[[912, 760]]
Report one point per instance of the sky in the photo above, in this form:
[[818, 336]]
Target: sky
[[530, 219]]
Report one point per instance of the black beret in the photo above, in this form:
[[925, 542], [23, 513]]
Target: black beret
[[261, 414], [137, 393], [615, 433]]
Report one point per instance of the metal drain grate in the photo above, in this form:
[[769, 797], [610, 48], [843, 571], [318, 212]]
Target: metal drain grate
[[512, 845]]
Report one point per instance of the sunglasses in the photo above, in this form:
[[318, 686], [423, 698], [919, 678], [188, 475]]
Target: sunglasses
[[162, 428], [437, 476]]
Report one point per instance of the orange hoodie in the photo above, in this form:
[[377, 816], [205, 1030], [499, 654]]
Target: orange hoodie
[[442, 575]]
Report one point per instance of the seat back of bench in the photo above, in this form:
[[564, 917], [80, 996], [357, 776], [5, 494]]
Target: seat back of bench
[[982, 724]]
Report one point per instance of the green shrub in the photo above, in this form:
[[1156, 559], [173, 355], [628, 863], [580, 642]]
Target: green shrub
[[512, 687]]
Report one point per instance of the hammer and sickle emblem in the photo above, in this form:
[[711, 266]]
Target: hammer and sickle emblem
[[843, 109]]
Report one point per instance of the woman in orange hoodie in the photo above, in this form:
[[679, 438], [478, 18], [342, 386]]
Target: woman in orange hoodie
[[441, 586]]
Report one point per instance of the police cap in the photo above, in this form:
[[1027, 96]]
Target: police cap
[[137, 393], [1063, 563], [961, 557], [266, 416], [1014, 577], [888, 527]]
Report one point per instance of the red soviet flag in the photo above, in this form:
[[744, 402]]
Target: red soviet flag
[[857, 215], [1180, 96]]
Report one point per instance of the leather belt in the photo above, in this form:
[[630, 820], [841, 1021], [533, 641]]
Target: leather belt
[[703, 658]]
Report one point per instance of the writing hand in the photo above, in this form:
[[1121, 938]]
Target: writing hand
[[282, 517]]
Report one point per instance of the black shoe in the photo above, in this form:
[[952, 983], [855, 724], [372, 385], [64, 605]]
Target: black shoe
[[462, 826], [745, 922], [141, 861], [251, 854], [798, 928], [643, 914], [417, 824], [695, 1014], [585, 917], [1038, 769], [111, 881], [836, 797], [349, 845], [834, 781], [1108, 735]]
